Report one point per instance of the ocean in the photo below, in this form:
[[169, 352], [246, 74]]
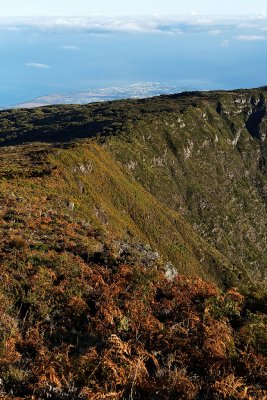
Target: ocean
[[36, 62]]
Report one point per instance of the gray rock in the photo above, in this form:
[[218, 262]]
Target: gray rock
[[71, 206], [170, 271]]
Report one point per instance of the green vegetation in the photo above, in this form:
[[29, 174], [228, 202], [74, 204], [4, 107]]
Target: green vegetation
[[133, 241]]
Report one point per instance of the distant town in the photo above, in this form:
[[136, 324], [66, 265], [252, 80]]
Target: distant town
[[135, 91]]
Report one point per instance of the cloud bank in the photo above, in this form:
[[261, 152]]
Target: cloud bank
[[238, 28], [251, 38]]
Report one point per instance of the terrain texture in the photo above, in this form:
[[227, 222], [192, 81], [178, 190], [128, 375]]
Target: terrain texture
[[133, 249]]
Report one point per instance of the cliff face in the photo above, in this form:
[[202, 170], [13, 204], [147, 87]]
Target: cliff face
[[205, 156]]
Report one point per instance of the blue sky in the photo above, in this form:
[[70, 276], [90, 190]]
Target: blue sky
[[129, 7], [48, 55], [66, 46]]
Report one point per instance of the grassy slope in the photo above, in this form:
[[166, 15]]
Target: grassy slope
[[86, 311], [201, 154], [107, 198], [202, 158]]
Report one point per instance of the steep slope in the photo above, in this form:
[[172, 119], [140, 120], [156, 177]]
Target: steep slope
[[201, 154], [93, 244], [86, 183], [205, 156]]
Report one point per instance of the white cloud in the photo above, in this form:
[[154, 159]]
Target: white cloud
[[235, 27], [261, 15], [37, 65], [70, 47], [251, 38], [215, 32], [225, 43], [247, 25], [10, 28]]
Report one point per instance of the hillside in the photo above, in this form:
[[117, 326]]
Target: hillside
[[132, 232], [205, 157], [201, 154]]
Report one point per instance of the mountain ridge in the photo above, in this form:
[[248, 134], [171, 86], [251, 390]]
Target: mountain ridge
[[133, 242], [131, 129]]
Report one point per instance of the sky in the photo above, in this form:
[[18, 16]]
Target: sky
[[129, 7], [65, 46]]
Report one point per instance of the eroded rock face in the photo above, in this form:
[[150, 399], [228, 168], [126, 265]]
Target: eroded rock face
[[257, 118]]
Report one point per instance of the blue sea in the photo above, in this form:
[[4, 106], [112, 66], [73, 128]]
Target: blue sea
[[36, 62]]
